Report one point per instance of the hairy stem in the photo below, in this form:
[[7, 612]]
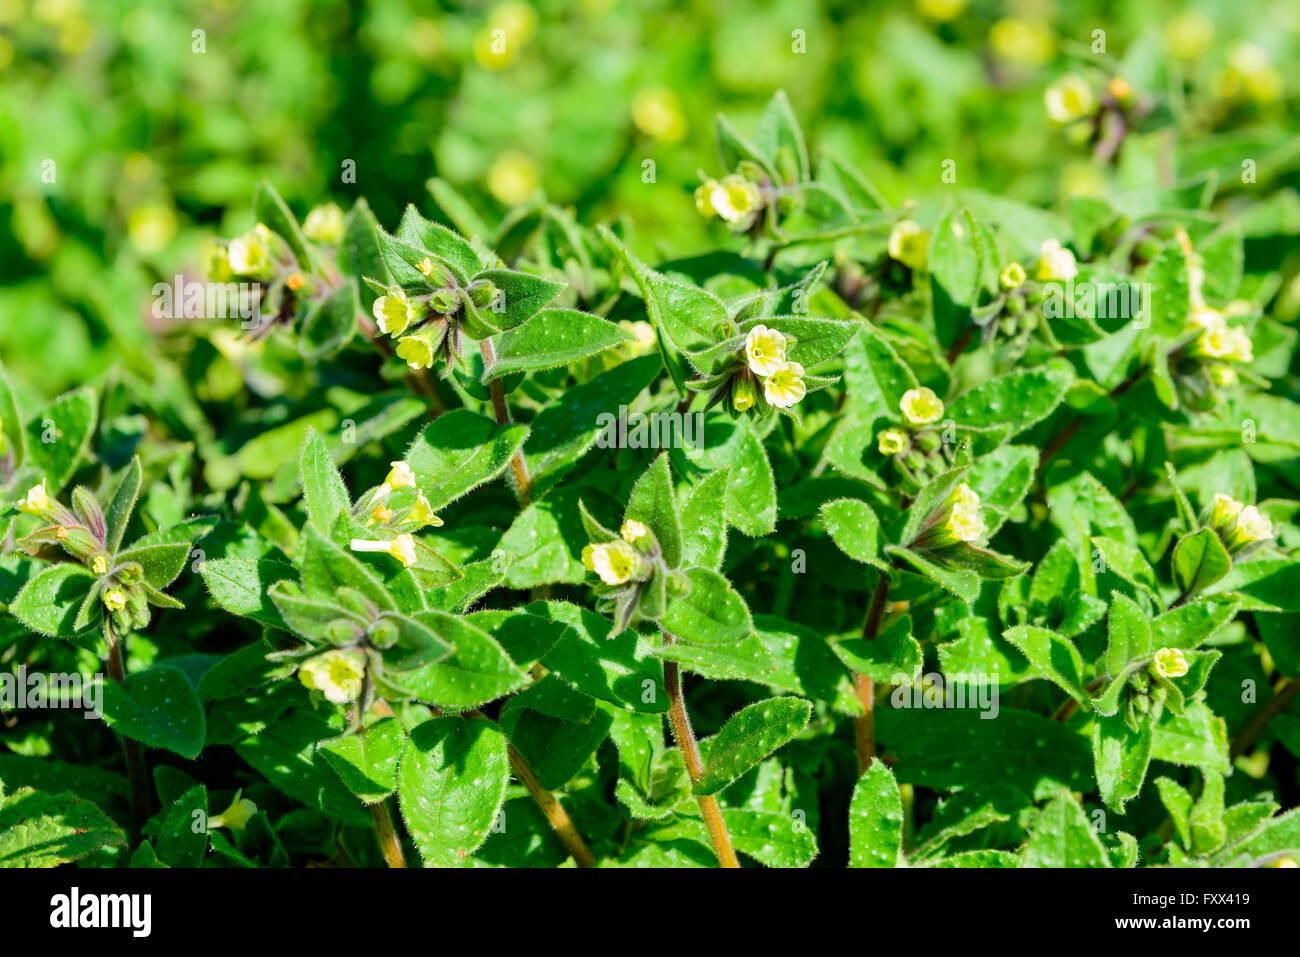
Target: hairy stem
[[1280, 701], [551, 807], [519, 467], [387, 834], [864, 725], [1061, 438], [135, 766], [690, 749]]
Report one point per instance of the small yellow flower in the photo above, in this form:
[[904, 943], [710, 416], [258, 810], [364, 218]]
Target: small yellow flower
[[909, 244], [891, 441], [1119, 88], [1205, 317], [632, 530], [415, 351], [941, 11], [1189, 35], [114, 599], [1068, 99], [513, 177], [250, 254], [382, 515], [1225, 342], [784, 387], [589, 557], [422, 513], [338, 674], [1170, 663], [615, 562], [296, 281], [99, 565], [1225, 510], [921, 406], [402, 548], [400, 476], [1025, 41], [657, 113], [733, 199], [1055, 263], [36, 502], [324, 224], [1012, 276], [764, 350], [966, 520], [743, 396], [1252, 526], [237, 816]]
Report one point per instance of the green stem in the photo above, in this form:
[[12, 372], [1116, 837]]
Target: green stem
[[135, 766], [864, 725], [1281, 699]]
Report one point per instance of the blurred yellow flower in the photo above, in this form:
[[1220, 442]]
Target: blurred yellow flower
[[513, 178], [1029, 42], [657, 113], [941, 11], [151, 227], [909, 244], [1189, 35], [324, 224], [1068, 99]]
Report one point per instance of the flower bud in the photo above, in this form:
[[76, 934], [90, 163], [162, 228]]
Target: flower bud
[[1068, 99], [1055, 263], [909, 244], [324, 224], [891, 441], [482, 292], [1012, 276], [444, 302], [384, 634], [1169, 663]]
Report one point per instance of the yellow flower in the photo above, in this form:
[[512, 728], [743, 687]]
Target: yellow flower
[[742, 396], [237, 816], [588, 557], [1055, 263], [733, 199], [1205, 317], [114, 599], [1223, 376], [632, 530], [891, 441], [1252, 526], [1225, 342], [422, 513], [656, 112], [338, 674], [250, 254], [1119, 88], [402, 548], [381, 515], [415, 351], [1025, 41], [784, 387], [99, 565], [615, 562], [1261, 79], [36, 502], [1170, 663], [764, 350], [941, 11], [1189, 35], [324, 224], [1012, 276], [400, 476], [644, 334], [1284, 862], [1068, 99], [1225, 510], [966, 520], [513, 178], [921, 406], [909, 244], [151, 227]]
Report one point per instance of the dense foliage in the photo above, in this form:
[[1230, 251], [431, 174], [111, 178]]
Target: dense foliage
[[949, 533]]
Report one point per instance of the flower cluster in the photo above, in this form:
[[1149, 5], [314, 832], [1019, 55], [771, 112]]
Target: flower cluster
[[916, 446], [734, 199], [759, 377], [635, 580], [1239, 527], [397, 507], [430, 324]]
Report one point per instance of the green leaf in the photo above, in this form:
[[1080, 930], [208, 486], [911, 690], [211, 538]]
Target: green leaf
[[891, 655], [1053, 657], [161, 555], [271, 211], [544, 545], [875, 819], [49, 602], [703, 521], [366, 762], [1015, 401], [1179, 805], [330, 323], [1190, 625], [523, 295], [12, 437], [459, 451], [1129, 632], [1170, 291], [326, 568], [771, 838], [1061, 836], [157, 707], [711, 614], [652, 503], [1196, 738], [439, 240], [46, 830], [287, 754], [554, 337], [748, 737], [854, 528], [242, 586], [118, 514], [322, 485], [451, 783], [478, 671], [180, 843], [59, 436], [959, 582], [1199, 561], [1121, 756], [751, 487]]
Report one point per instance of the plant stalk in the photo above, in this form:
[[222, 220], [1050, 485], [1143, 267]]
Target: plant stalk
[[387, 834], [1281, 699], [690, 749], [135, 766], [519, 467], [551, 807], [864, 725], [1061, 438]]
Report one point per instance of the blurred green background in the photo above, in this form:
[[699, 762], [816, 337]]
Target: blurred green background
[[133, 132]]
